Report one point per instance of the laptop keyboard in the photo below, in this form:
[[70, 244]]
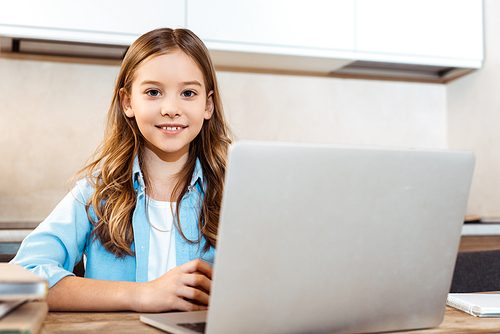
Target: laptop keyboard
[[198, 327]]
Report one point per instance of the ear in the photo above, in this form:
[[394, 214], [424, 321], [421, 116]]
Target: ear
[[209, 107], [126, 104]]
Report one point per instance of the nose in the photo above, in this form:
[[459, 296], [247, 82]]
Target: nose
[[170, 108]]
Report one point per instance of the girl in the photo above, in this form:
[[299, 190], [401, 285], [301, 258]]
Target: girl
[[146, 214]]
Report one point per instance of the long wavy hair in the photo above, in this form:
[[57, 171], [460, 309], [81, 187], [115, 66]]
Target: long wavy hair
[[110, 170]]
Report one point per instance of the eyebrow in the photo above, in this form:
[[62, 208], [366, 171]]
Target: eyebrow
[[194, 82], [150, 82], [186, 83]]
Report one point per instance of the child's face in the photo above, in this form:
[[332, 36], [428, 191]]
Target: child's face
[[169, 103]]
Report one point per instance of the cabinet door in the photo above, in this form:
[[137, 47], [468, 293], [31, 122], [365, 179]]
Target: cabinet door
[[426, 31], [110, 21], [314, 24]]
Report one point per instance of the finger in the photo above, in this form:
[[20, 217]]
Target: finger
[[198, 266], [194, 295], [186, 305], [197, 281], [195, 302]]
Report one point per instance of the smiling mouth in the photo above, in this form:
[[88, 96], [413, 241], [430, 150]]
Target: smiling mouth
[[171, 128]]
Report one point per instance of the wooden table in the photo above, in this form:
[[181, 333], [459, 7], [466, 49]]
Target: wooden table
[[474, 243], [127, 322]]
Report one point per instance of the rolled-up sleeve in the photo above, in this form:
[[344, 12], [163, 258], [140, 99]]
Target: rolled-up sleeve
[[58, 243]]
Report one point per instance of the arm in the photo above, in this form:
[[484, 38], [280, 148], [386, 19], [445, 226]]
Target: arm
[[190, 281], [57, 244], [53, 249]]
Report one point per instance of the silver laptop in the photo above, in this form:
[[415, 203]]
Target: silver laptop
[[333, 239]]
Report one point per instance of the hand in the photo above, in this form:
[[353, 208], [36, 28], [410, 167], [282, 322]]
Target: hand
[[184, 288]]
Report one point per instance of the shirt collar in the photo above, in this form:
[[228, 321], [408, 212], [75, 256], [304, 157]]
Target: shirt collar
[[139, 179], [197, 176]]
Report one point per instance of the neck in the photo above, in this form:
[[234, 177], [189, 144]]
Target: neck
[[162, 175]]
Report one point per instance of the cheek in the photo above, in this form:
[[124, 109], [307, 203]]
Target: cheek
[[202, 116], [144, 119], [198, 120]]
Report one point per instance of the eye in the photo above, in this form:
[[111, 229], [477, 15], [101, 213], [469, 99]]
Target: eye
[[153, 92], [188, 93]]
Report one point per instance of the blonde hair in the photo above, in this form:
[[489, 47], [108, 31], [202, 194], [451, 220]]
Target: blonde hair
[[110, 172]]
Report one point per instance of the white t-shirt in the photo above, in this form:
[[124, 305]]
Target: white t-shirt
[[161, 238]]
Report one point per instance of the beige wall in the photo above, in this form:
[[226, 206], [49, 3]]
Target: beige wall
[[53, 112], [328, 110], [474, 119], [51, 120]]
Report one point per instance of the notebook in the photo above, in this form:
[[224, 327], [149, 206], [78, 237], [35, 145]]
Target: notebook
[[7, 306], [476, 304], [26, 319], [17, 283], [322, 239]]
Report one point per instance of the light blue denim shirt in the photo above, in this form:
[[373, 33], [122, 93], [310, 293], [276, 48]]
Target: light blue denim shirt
[[59, 242]]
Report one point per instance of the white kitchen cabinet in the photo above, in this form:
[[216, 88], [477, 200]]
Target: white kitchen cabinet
[[309, 35], [115, 22], [427, 32], [305, 24], [434, 40]]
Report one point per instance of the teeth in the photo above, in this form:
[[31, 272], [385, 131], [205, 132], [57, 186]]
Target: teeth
[[170, 128]]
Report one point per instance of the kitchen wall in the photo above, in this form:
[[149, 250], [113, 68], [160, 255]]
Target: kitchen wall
[[51, 120], [52, 113], [474, 119]]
